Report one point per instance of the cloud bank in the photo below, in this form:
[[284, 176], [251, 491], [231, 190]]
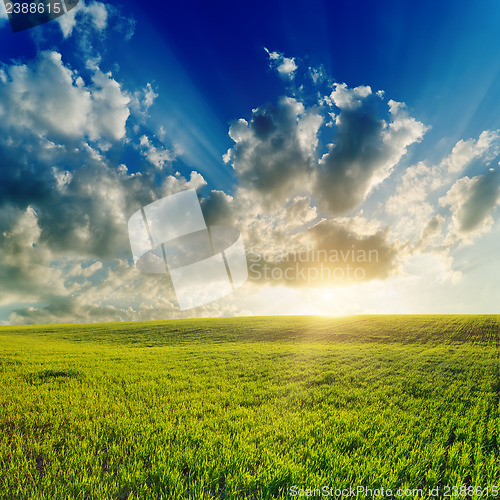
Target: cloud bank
[[309, 168]]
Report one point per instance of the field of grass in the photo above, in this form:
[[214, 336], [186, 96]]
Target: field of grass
[[251, 408]]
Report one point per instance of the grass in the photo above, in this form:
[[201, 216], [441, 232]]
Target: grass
[[246, 408]]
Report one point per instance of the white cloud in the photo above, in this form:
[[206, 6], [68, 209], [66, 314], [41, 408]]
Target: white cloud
[[109, 108], [286, 66], [149, 96], [4, 18], [486, 147], [94, 14], [299, 210], [414, 187], [50, 99], [99, 14], [435, 267], [142, 100], [159, 156], [317, 74], [68, 21], [346, 98], [175, 183], [471, 201], [410, 202]]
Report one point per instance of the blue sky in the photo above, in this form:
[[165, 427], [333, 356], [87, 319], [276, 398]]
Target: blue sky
[[349, 125], [441, 59]]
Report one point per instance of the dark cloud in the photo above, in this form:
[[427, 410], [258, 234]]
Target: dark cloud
[[275, 151], [346, 171], [328, 235], [482, 198], [218, 209], [472, 202], [364, 152], [276, 155]]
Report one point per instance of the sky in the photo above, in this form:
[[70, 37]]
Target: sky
[[355, 146]]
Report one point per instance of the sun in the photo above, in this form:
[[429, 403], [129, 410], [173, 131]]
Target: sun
[[326, 295]]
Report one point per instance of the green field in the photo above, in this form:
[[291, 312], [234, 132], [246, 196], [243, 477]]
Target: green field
[[248, 408]]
